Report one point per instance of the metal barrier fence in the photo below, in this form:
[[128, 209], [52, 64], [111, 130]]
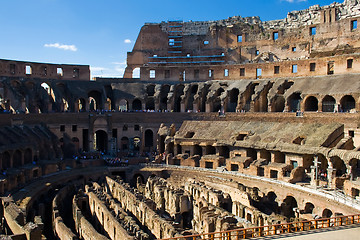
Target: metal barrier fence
[[246, 233]]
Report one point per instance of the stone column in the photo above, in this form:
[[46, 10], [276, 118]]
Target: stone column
[[314, 182], [331, 174]]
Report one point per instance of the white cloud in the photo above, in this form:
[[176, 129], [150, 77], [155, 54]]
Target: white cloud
[[127, 41], [98, 69], [292, 1], [61, 46]]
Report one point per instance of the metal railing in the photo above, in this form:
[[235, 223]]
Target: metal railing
[[247, 233]]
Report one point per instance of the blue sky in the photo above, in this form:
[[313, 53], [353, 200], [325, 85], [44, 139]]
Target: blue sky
[[100, 32]]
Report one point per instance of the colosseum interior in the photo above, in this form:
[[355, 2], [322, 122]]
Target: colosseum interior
[[233, 124]]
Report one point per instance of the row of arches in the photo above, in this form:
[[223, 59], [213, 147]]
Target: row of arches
[[328, 103], [17, 158], [203, 97]]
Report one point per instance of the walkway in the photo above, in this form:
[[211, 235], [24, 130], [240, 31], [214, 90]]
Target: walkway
[[336, 233]]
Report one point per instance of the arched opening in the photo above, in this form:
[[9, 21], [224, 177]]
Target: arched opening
[[294, 102], [198, 150], [327, 213], [309, 207], [27, 156], [136, 144], [323, 163], [101, 141], [287, 207], [355, 168], [17, 156], [150, 104], [190, 100], [265, 154], [123, 105], [210, 150], [179, 91], [311, 104], [108, 104], [164, 91], [81, 105], [347, 103], [6, 160], [271, 203], [278, 104], [65, 104], [150, 90], [328, 104], [124, 145], [49, 91], [136, 105], [149, 139], [136, 73], [339, 165], [95, 102], [217, 101], [233, 100]]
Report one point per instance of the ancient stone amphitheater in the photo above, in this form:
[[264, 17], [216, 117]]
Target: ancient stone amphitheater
[[235, 129]]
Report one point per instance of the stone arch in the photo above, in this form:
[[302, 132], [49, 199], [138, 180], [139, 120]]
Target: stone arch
[[179, 92], [163, 96], [233, 100], [309, 207], [265, 154], [190, 100], [81, 105], [311, 104], [6, 160], [355, 167], [287, 207], [149, 139], [108, 104], [338, 165], [136, 104], [278, 104], [101, 141], [28, 156], [323, 162], [327, 213], [216, 102], [49, 91], [17, 159], [136, 143], [328, 104], [347, 103], [123, 105], [150, 104], [95, 100], [150, 90], [293, 102]]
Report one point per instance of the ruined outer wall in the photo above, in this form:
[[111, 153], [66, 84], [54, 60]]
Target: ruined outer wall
[[11, 68]]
